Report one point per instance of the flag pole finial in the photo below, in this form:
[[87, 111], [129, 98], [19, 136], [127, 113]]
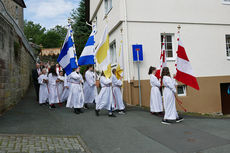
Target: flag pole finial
[[178, 27]]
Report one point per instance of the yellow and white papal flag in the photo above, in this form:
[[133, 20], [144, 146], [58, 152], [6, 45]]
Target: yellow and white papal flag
[[120, 66], [102, 54]]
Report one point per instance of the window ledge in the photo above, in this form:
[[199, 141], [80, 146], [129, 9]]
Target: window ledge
[[228, 58]]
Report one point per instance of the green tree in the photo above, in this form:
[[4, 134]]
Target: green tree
[[80, 29], [60, 30], [52, 39], [34, 32]]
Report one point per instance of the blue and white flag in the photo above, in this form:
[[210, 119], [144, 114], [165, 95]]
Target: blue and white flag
[[67, 56], [87, 55]]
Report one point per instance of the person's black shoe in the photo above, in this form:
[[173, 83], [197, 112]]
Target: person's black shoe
[[86, 106], [179, 119], [52, 106], [97, 112], [76, 111], [165, 122], [112, 115]]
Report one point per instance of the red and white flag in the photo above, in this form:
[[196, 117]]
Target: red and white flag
[[163, 61], [184, 69]]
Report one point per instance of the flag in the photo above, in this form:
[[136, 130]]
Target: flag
[[87, 55], [120, 66], [103, 54], [163, 61], [184, 69], [67, 58]]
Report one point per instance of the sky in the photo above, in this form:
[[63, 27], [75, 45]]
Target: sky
[[49, 13]]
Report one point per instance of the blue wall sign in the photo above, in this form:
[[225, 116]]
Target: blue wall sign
[[228, 90], [137, 50]]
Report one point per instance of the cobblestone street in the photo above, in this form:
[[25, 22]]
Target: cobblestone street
[[41, 144]]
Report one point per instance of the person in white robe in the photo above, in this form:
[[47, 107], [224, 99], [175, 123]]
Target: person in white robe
[[104, 99], [156, 105], [118, 103], [90, 89], [43, 89], [169, 94], [76, 96], [52, 84], [60, 86], [65, 93]]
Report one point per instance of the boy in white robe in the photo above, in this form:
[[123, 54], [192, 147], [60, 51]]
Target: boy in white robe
[[117, 95], [53, 95], [76, 96], [60, 85], [104, 99], [43, 90], [156, 106], [90, 89], [169, 98], [65, 93]]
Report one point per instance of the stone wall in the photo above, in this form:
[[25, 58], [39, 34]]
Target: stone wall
[[15, 66], [16, 11]]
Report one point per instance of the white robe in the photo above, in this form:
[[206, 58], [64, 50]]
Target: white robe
[[53, 95], [76, 96], [90, 89], [169, 98], [117, 95], [104, 99], [155, 95], [43, 90], [65, 93], [60, 87]]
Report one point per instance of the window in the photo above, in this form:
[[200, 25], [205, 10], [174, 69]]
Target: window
[[168, 46], [225, 1], [17, 12], [181, 90], [228, 46], [113, 53], [108, 6]]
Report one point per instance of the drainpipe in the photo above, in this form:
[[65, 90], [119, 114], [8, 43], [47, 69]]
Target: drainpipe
[[127, 40]]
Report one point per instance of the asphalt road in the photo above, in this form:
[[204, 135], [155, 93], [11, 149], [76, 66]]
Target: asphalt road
[[135, 132]]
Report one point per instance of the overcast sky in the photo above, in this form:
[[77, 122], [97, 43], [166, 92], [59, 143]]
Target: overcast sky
[[49, 13]]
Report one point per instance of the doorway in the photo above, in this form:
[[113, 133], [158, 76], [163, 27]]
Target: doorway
[[225, 97]]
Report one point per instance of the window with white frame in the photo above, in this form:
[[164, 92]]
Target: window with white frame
[[181, 90], [225, 1], [228, 46], [168, 46], [108, 6], [113, 53]]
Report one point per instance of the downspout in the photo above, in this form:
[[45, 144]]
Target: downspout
[[127, 39]]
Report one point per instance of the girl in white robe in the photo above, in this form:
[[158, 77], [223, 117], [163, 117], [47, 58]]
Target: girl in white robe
[[76, 96], [169, 98], [53, 95], [60, 85], [156, 105], [104, 99], [90, 89], [65, 93], [117, 95], [43, 90]]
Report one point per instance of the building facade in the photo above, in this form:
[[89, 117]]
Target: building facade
[[205, 34], [16, 57]]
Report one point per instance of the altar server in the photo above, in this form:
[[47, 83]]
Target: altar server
[[43, 91], [60, 85], [156, 105], [76, 96], [117, 95], [169, 98], [53, 94], [104, 99], [65, 93], [90, 89]]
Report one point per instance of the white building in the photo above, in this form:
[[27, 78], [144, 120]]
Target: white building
[[205, 34]]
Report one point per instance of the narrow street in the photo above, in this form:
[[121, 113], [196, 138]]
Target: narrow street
[[136, 132]]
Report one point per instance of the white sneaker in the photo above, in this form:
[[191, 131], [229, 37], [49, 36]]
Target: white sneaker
[[121, 113]]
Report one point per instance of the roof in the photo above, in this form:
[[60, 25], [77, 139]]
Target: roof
[[21, 3], [50, 51]]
